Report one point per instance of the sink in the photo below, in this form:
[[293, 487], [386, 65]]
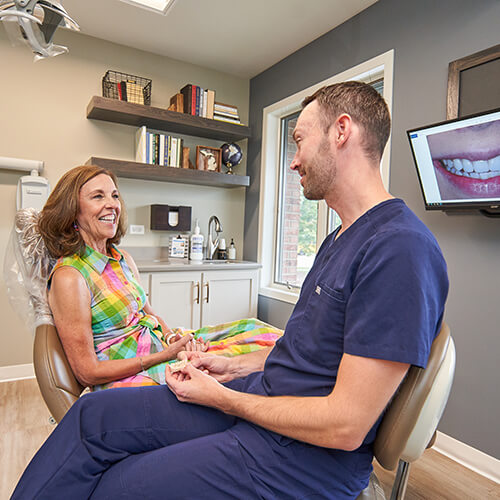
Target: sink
[[216, 262]]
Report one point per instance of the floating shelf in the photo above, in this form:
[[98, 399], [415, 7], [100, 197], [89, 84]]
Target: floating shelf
[[134, 170], [128, 113]]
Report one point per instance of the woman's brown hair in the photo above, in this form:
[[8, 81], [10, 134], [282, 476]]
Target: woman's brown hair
[[58, 216]]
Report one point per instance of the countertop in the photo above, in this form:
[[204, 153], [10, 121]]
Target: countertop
[[156, 259], [172, 264]]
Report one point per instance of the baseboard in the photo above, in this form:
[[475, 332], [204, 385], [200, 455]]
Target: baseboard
[[16, 372], [469, 457]]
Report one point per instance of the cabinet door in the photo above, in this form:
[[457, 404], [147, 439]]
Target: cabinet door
[[228, 296], [144, 279], [175, 296]]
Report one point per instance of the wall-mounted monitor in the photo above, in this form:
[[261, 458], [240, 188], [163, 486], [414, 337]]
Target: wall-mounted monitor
[[458, 162]]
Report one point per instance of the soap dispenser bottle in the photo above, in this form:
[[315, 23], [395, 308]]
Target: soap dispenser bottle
[[196, 252], [231, 252]]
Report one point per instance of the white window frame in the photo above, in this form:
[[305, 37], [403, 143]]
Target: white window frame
[[375, 68]]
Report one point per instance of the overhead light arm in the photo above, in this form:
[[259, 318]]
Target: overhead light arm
[[38, 21]]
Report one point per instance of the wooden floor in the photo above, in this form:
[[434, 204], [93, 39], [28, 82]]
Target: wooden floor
[[24, 425]]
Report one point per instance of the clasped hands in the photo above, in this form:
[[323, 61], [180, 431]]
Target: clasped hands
[[178, 343], [199, 382]]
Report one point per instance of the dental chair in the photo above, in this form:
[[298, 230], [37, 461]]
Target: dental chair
[[26, 268], [58, 385], [410, 421]]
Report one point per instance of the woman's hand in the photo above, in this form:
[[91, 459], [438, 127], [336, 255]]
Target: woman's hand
[[180, 343]]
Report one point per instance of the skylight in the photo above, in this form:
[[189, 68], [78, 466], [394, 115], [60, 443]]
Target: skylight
[[160, 6]]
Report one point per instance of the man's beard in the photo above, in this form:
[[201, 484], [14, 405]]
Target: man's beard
[[321, 173]]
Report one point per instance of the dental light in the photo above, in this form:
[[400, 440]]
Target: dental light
[[35, 22]]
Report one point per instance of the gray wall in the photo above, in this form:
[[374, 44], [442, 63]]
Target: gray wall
[[426, 36]]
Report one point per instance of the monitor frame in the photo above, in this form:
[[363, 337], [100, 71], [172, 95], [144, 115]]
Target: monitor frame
[[487, 208]]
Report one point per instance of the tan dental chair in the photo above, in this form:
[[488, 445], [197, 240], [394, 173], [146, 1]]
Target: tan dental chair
[[58, 385], [410, 422]]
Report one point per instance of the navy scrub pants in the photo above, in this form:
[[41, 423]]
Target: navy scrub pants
[[142, 443]]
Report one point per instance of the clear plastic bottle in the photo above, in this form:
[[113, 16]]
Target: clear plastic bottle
[[196, 250], [231, 251]]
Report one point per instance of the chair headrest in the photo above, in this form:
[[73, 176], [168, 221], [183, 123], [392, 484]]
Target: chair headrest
[[27, 266]]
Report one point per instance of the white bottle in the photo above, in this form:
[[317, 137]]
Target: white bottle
[[196, 252], [231, 251]]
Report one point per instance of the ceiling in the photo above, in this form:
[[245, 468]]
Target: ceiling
[[240, 37]]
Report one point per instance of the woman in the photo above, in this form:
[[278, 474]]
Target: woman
[[111, 335]]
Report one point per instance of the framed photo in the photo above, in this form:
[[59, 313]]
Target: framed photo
[[208, 158], [473, 83]]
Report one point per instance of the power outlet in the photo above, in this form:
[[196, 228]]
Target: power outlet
[[136, 229]]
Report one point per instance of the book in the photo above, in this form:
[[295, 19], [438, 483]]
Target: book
[[228, 108], [123, 86], [179, 152], [228, 115], [197, 101], [149, 148], [210, 103], [226, 119], [168, 150], [173, 152], [135, 93], [202, 96], [140, 144], [187, 94], [161, 153]]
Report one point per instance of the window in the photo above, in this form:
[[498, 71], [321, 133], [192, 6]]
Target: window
[[297, 221], [159, 6], [291, 227]]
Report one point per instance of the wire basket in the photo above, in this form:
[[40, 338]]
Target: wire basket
[[125, 87]]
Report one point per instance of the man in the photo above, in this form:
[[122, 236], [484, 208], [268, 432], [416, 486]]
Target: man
[[298, 421]]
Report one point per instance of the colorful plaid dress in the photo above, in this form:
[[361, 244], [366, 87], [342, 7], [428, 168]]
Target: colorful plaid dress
[[123, 330]]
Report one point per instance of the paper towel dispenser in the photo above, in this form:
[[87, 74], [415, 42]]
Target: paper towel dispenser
[[170, 218]]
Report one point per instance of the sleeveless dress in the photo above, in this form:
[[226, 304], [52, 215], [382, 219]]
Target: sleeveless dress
[[122, 330]]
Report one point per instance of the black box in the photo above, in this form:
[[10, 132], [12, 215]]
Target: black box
[[163, 216]]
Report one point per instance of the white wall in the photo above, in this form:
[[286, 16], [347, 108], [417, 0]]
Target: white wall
[[43, 117]]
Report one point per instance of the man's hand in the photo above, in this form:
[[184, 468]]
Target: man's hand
[[219, 367], [192, 385]]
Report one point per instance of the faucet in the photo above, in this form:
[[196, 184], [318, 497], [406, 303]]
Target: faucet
[[212, 245]]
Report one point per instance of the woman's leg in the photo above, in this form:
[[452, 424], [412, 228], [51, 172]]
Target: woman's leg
[[105, 427]]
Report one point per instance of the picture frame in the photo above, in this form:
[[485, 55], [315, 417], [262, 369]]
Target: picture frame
[[471, 83], [208, 158]]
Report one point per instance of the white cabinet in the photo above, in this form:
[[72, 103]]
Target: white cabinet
[[192, 299]]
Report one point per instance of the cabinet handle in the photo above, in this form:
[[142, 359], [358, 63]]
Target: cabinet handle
[[207, 297], [197, 299]]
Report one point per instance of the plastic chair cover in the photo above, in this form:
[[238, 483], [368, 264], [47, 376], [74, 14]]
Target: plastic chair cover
[[27, 266]]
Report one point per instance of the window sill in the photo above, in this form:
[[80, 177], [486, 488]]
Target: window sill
[[279, 294]]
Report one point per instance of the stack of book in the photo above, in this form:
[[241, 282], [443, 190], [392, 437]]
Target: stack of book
[[131, 92], [226, 113], [198, 101], [157, 149]]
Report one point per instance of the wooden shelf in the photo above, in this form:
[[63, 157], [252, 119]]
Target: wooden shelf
[[113, 110], [134, 170]]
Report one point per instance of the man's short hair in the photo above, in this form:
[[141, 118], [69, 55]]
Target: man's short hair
[[364, 105]]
